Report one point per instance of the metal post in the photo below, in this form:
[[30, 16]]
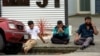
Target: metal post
[[0, 8], [66, 12]]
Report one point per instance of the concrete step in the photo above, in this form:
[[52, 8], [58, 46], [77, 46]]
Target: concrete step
[[53, 50]]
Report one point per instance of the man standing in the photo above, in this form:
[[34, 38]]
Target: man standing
[[34, 33], [60, 34], [87, 31]]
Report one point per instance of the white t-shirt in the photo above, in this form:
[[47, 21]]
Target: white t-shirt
[[33, 32]]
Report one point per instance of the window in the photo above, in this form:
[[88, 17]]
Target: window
[[85, 5], [16, 2]]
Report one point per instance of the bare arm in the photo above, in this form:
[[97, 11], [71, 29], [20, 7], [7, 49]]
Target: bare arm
[[95, 29], [76, 36], [40, 36]]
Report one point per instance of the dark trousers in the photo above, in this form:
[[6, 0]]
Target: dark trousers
[[84, 42], [56, 39]]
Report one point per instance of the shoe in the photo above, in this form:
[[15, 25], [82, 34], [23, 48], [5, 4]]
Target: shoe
[[92, 43], [66, 42], [83, 47]]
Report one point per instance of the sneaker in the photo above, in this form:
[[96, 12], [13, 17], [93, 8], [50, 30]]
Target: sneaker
[[83, 47], [92, 43], [66, 42]]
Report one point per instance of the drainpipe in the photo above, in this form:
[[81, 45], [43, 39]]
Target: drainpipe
[[66, 12], [0, 8]]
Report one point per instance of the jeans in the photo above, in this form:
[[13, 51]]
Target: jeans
[[84, 42], [56, 39]]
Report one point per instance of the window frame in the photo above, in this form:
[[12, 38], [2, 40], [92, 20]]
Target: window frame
[[18, 3]]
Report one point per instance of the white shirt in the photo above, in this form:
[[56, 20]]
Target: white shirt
[[33, 32]]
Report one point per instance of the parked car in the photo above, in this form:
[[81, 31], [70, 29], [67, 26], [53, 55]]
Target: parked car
[[12, 36]]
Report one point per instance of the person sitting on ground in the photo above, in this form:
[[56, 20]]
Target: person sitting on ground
[[60, 34], [34, 32], [85, 34]]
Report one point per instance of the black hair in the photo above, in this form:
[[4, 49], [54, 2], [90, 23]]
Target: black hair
[[30, 22], [88, 17], [59, 22]]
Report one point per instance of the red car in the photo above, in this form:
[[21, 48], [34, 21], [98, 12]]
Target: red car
[[12, 36]]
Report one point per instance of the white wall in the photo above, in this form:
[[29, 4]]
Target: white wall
[[92, 7], [72, 7], [33, 12]]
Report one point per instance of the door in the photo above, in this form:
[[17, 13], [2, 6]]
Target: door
[[97, 6], [83, 6]]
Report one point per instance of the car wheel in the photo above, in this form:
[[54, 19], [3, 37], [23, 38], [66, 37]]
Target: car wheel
[[1, 42], [13, 49]]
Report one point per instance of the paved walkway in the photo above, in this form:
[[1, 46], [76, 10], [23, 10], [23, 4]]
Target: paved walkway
[[92, 50], [75, 22]]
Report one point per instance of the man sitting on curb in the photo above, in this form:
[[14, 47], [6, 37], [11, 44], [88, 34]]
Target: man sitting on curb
[[60, 34], [87, 31], [34, 33]]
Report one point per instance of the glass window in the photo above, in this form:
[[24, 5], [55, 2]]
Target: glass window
[[16, 2], [84, 5]]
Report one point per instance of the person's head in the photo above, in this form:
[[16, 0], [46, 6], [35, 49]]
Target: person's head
[[88, 20], [31, 24], [59, 23]]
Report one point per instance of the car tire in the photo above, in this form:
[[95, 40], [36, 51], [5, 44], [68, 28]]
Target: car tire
[[13, 49], [1, 43]]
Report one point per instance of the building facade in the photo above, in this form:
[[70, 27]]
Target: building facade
[[74, 6], [50, 10], [25, 10], [83, 7]]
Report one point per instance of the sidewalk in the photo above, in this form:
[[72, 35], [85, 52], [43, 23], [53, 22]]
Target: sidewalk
[[75, 22]]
